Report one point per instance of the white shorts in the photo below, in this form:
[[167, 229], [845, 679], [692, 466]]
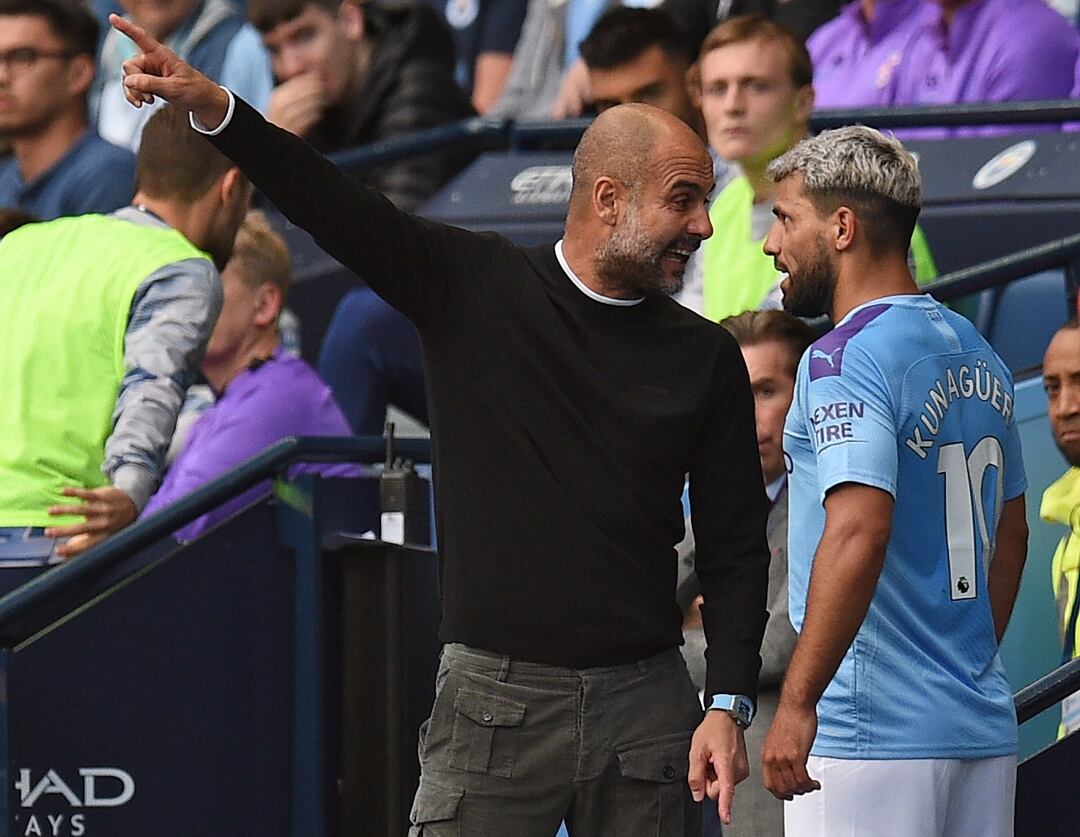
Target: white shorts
[[906, 798]]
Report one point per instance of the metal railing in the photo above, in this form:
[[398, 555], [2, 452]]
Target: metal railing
[[20, 604], [951, 116], [1060, 252], [1047, 691], [479, 134]]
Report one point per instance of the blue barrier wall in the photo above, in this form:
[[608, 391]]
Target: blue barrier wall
[[1031, 647]]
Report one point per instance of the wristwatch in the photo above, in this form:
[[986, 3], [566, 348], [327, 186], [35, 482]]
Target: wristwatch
[[739, 707]]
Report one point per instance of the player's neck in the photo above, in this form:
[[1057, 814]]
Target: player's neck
[[866, 282]]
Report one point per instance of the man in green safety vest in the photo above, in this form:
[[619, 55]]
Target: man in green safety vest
[[107, 318], [753, 80], [1061, 501]]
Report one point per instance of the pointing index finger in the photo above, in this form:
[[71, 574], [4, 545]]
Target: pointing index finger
[[143, 39]]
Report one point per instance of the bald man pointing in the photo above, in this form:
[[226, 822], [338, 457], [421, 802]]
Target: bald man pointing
[[570, 397]]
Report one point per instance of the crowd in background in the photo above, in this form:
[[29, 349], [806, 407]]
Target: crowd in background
[[746, 76], [347, 74]]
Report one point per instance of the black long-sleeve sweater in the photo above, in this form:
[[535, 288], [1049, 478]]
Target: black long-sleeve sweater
[[562, 429]]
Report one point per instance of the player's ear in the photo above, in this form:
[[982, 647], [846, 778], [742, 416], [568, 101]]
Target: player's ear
[[844, 225]]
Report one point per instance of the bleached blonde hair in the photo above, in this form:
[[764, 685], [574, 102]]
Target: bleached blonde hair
[[864, 169]]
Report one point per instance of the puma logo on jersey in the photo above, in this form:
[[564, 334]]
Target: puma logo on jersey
[[827, 357]]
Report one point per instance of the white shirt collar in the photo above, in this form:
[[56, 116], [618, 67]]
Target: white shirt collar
[[585, 289]]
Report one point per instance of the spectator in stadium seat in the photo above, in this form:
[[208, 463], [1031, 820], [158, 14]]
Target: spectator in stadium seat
[[753, 83], [753, 78], [562, 436], [353, 73], [548, 79], [985, 51], [58, 165], [485, 35], [211, 34], [1061, 377], [264, 394], [855, 55], [905, 478], [134, 296], [772, 342], [640, 55]]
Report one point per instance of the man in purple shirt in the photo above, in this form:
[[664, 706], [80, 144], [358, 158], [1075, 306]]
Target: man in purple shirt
[[855, 55], [986, 51], [264, 394]]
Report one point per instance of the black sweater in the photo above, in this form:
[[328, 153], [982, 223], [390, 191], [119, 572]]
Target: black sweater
[[562, 429]]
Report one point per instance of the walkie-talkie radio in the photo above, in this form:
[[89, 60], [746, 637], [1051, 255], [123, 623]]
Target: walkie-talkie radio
[[402, 499]]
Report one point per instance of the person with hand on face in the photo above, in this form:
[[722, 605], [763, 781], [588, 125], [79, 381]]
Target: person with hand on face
[[564, 421], [351, 73], [1061, 378], [907, 533], [135, 295]]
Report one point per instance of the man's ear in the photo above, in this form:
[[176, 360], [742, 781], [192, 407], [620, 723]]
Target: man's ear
[[608, 195], [351, 20], [845, 225], [268, 304], [233, 186], [80, 74]]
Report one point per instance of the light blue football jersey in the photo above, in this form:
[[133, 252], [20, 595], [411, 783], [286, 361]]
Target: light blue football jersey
[[906, 396]]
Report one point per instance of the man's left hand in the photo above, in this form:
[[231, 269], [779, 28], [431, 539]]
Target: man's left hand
[[786, 750], [107, 510], [717, 761]]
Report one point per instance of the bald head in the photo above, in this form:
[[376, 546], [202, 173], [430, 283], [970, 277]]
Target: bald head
[[620, 143], [638, 204]]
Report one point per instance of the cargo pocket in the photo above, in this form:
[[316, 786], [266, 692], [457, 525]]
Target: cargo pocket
[[485, 734], [434, 811], [653, 785]]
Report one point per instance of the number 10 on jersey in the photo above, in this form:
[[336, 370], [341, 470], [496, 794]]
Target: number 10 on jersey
[[965, 509]]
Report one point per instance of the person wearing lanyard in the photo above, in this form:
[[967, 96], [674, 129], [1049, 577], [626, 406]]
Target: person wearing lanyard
[[135, 296]]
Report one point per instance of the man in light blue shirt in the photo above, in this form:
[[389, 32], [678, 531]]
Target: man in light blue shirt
[[906, 518]]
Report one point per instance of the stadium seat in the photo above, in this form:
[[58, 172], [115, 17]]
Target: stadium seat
[[1020, 318]]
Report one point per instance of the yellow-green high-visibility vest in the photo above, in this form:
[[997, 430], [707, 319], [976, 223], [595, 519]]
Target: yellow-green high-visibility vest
[[1061, 504], [66, 288], [737, 274]]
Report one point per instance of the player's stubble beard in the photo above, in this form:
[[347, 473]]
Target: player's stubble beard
[[811, 290], [631, 260]]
